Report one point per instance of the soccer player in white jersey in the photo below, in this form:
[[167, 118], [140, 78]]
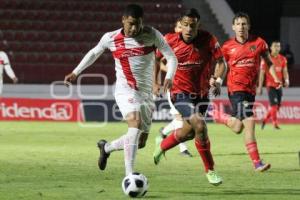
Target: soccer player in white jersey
[[133, 48], [5, 65]]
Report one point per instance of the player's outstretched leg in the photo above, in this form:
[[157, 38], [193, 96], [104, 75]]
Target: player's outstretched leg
[[102, 161], [106, 148], [158, 152], [173, 139]]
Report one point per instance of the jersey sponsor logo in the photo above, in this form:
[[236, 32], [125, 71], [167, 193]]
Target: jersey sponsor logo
[[244, 62], [189, 64]]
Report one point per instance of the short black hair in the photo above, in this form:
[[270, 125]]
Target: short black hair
[[192, 12], [275, 41], [241, 15], [133, 10]]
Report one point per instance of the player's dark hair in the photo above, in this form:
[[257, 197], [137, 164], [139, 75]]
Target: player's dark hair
[[192, 12], [241, 15], [133, 10], [275, 41], [177, 20]]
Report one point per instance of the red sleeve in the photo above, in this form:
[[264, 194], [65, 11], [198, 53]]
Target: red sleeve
[[284, 62], [264, 46], [224, 51], [215, 48]]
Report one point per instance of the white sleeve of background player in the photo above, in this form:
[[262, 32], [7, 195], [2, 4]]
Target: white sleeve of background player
[[7, 66], [92, 55], [167, 52]]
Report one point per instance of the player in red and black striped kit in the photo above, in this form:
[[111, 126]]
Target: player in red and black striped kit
[[243, 54], [274, 93]]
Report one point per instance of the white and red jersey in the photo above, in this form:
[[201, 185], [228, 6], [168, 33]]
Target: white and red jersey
[[5, 65], [134, 57]]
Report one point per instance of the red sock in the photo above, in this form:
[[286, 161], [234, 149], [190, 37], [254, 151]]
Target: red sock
[[274, 114], [203, 148], [268, 115], [253, 152], [170, 141]]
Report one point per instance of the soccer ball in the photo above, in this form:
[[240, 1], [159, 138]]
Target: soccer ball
[[135, 185]]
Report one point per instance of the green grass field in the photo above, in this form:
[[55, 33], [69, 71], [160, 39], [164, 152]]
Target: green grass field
[[59, 161]]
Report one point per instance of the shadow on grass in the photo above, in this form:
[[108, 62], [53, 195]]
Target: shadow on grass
[[266, 191]]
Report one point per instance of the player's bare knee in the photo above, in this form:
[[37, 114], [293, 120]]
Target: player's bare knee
[[238, 127], [134, 122], [198, 124]]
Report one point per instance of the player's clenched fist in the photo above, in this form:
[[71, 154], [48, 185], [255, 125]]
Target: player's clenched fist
[[69, 78]]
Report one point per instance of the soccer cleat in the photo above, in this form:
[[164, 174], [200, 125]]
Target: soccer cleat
[[261, 167], [186, 153], [103, 155], [263, 124], [276, 127], [158, 152], [213, 178]]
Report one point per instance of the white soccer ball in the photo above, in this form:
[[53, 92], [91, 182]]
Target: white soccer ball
[[135, 185]]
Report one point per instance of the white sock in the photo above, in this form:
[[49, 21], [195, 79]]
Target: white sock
[[173, 125], [130, 147], [115, 145], [182, 147]]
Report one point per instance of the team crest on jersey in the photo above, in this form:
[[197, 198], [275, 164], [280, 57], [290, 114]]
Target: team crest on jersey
[[252, 48], [217, 45]]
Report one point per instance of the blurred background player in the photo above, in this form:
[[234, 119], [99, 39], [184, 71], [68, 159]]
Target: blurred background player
[[196, 51], [133, 50], [243, 54], [274, 93], [177, 121], [5, 66]]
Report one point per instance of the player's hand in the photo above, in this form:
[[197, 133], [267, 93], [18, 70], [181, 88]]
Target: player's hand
[[212, 81], [156, 89], [216, 86], [279, 83], [15, 80], [259, 90], [286, 84], [216, 89], [167, 85], [69, 78]]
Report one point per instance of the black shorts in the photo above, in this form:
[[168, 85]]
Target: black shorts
[[242, 104], [274, 96], [188, 104]]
